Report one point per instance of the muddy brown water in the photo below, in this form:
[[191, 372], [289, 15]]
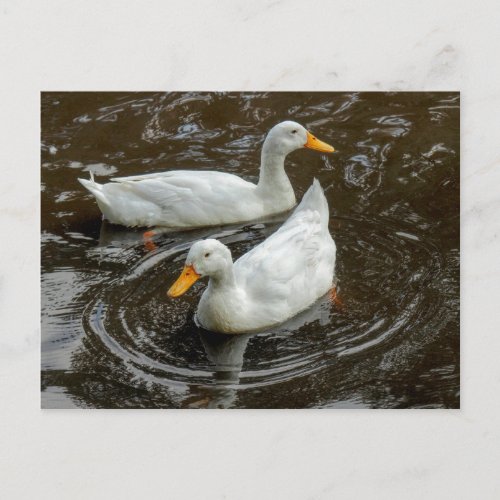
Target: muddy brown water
[[111, 338]]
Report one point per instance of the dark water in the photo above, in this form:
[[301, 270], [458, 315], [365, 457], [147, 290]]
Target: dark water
[[112, 339]]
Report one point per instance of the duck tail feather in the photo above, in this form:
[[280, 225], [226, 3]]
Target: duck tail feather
[[314, 199], [97, 190]]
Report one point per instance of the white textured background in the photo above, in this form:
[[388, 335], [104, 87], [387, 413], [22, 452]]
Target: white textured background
[[249, 45]]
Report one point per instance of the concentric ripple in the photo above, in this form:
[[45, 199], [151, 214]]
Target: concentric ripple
[[157, 341]]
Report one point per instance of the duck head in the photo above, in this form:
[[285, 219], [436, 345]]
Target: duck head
[[288, 136], [205, 258]]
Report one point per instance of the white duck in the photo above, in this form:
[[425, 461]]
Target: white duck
[[185, 198], [276, 280]]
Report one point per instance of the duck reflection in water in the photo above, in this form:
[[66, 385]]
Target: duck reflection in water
[[115, 236], [226, 353]]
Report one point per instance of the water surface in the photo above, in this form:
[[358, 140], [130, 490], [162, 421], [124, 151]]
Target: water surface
[[112, 339]]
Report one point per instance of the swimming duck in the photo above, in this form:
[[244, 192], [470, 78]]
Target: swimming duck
[[185, 198], [277, 279]]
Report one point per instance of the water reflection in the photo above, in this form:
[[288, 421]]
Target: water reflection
[[226, 354]]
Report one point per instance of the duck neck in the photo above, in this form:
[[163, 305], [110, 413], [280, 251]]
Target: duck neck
[[273, 178], [223, 280]]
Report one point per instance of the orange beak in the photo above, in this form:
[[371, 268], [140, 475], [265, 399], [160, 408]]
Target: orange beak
[[313, 143], [184, 282]]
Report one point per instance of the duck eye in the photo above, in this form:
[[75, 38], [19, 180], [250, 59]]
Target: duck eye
[[294, 131], [207, 254]]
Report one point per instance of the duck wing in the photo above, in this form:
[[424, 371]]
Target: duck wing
[[193, 198], [294, 265]]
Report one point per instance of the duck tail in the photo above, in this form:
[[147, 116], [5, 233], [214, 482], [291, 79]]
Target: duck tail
[[97, 190], [314, 199]]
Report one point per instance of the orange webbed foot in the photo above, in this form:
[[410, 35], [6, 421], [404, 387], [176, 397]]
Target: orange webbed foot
[[149, 244], [335, 299]]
